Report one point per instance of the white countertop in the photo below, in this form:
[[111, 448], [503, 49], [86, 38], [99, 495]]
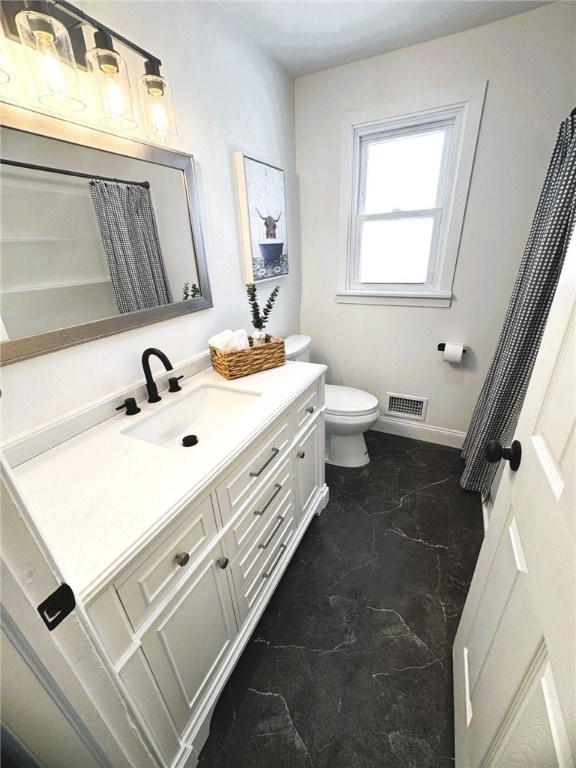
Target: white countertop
[[100, 496]]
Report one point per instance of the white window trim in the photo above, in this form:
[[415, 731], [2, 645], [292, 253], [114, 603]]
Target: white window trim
[[466, 105]]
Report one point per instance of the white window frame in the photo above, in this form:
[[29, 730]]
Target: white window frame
[[462, 110]]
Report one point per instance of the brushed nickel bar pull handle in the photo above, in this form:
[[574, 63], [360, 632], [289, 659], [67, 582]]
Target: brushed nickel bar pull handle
[[274, 532], [275, 451], [270, 500], [271, 571]]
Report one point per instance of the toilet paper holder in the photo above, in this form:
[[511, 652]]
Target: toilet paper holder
[[442, 347]]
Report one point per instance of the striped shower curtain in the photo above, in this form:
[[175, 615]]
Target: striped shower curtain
[[128, 229], [503, 392]]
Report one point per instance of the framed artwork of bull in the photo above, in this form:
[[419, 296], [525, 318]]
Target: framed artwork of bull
[[262, 200]]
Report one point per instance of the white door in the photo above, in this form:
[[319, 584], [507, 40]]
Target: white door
[[514, 653], [309, 463]]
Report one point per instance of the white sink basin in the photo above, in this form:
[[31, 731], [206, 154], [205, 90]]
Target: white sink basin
[[202, 412]]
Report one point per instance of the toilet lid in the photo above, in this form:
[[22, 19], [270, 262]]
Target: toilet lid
[[296, 344], [347, 400]]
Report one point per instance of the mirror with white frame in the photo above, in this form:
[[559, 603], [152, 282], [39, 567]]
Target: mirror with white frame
[[56, 284]]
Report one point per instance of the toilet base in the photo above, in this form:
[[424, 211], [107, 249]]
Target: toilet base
[[346, 450]]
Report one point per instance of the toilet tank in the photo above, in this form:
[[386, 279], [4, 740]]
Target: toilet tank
[[297, 348]]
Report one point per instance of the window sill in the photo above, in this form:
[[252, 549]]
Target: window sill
[[400, 299]]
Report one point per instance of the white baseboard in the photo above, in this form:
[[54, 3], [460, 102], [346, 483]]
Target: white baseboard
[[418, 431]]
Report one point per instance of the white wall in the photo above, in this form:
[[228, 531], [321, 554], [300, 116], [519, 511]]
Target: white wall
[[529, 61], [229, 96]]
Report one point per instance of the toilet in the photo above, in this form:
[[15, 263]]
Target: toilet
[[349, 413]]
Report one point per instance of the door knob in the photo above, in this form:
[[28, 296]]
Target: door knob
[[182, 558], [495, 452], [222, 562]]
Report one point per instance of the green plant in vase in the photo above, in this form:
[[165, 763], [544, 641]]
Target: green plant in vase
[[260, 318], [190, 291]]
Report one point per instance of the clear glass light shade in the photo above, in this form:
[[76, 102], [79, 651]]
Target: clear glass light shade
[[51, 61], [4, 68], [157, 108], [110, 76]]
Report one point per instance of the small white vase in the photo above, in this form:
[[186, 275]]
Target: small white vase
[[258, 337]]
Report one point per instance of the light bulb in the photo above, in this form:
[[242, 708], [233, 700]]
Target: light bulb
[[113, 95], [159, 118], [157, 104], [50, 59], [110, 75], [50, 67]]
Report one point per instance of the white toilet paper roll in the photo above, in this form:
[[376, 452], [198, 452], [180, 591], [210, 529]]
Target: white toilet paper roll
[[453, 352]]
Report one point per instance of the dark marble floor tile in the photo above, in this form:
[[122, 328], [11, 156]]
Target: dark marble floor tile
[[350, 665]]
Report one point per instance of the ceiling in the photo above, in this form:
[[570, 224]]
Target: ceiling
[[306, 36]]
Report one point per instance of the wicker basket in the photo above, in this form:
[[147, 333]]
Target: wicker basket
[[232, 365]]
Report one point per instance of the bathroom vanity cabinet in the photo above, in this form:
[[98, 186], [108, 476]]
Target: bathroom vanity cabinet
[[173, 612]]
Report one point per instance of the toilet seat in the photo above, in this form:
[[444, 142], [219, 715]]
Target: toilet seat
[[348, 401]]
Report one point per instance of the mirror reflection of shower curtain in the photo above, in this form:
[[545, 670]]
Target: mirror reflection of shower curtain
[[130, 238]]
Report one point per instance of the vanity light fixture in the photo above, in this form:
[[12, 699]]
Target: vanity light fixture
[[110, 75], [157, 103], [53, 57], [50, 58]]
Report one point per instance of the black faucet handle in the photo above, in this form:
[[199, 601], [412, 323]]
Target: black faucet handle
[[130, 405], [153, 396], [173, 385]]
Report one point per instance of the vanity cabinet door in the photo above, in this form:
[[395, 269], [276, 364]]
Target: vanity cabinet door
[[188, 641], [159, 568], [309, 467]]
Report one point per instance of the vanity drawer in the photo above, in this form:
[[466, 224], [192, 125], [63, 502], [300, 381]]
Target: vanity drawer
[[254, 567], [261, 508], [159, 568], [307, 406], [254, 470]]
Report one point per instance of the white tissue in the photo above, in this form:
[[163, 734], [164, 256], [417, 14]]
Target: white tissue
[[230, 341], [453, 351]]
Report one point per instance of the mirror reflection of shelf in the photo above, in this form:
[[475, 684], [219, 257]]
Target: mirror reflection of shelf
[[55, 286], [33, 309], [28, 239], [47, 261]]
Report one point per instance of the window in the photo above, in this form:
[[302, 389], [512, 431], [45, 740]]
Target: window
[[408, 182], [403, 187]]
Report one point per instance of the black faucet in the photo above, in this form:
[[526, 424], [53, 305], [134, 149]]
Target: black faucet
[[151, 388]]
